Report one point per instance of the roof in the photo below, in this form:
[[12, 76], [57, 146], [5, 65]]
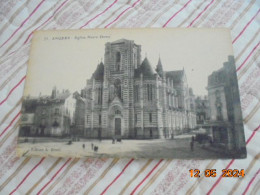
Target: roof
[[119, 41], [176, 76], [99, 72], [159, 68], [145, 68]]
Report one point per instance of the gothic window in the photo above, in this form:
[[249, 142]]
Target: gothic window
[[136, 91], [118, 61], [149, 92], [99, 119], [99, 94], [118, 89], [150, 117]]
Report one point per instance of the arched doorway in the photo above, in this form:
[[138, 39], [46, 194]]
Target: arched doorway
[[118, 127], [116, 121]]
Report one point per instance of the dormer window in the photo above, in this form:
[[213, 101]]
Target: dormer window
[[118, 61]]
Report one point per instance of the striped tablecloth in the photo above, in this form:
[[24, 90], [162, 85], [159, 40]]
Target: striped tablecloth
[[125, 176]]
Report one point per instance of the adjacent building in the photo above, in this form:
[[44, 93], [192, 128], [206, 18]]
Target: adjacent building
[[59, 114], [225, 109], [127, 98]]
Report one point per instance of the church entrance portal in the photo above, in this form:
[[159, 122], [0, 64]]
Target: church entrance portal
[[118, 127]]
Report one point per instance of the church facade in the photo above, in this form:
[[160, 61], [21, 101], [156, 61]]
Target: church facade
[[127, 98]]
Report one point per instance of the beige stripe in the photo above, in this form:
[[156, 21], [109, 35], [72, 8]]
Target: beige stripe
[[161, 13], [190, 16], [249, 64], [9, 133], [242, 14], [108, 18], [37, 21], [205, 14], [17, 12], [10, 112], [247, 45], [44, 176], [136, 175], [256, 188], [126, 14], [34, 24], [247, 171], [251, 114], [11, 76], [94, 10], [61, 176], [20, 167], [102, 175], [155, 177], [197, 182]]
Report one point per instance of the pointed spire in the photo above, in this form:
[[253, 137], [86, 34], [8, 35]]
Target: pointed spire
[[54, 92], [159, 62], [159, 67]]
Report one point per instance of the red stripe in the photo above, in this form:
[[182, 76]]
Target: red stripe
[[251, 181], [12, 90], [146, 177], [23, 23], [231, 162], [18, 114], [28, 174], [253, 134], [46, 20], [173, 16], [117, 176], [122, 13], [53, 177], [200, 14], [99, 14], [246, 26], [248, 56]]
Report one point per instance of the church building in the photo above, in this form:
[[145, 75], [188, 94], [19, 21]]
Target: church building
[[127, 98]]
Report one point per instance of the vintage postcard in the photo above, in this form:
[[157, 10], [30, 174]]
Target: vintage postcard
[[132, 93]]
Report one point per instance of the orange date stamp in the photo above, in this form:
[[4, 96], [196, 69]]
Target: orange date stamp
[[213, 173]]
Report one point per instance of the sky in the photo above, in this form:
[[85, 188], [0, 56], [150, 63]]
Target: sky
[[68, 63]]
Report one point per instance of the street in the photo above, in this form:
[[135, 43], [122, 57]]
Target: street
[[179, 148]]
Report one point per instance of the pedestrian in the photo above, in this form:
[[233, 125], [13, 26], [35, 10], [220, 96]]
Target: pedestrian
[[83, 146], [92, 146]]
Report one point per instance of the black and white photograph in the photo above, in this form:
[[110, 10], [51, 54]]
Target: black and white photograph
[[132, 93]]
